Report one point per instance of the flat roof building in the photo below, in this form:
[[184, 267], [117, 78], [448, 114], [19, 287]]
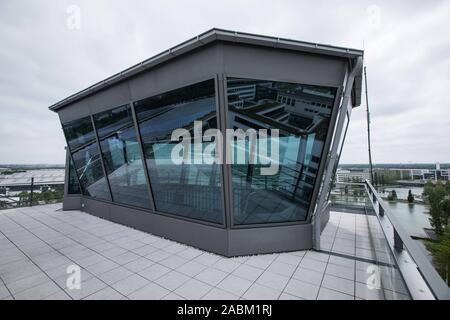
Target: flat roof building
[[120, 141]]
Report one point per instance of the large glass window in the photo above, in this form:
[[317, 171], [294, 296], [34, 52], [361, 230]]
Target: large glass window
[[86, 158], [189, 190], [121, 156], [79, 132], [301, 113], [74, 187]]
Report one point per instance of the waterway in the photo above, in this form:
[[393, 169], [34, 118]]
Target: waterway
[[414, 217]]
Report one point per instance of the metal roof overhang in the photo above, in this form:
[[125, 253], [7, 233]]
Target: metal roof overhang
[[228, 36]]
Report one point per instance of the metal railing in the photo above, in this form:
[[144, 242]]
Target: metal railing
[[8, 201], [420, 276]]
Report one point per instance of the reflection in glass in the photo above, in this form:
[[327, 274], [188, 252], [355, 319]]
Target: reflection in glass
[[86, 159], [90, 172], [302, 114], [79, 132], [189, 190], [121, 156], [74, 187]]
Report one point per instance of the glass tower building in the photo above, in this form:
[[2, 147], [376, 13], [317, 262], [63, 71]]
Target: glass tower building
[[120, 141]]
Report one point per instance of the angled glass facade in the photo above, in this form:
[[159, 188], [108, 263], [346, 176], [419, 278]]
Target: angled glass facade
[[74, 186], [225, 142], [302, 115], [121, 156], [188, 190], [86, 157]]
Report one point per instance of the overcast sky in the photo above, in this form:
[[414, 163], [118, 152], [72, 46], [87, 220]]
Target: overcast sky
[[407, 54]]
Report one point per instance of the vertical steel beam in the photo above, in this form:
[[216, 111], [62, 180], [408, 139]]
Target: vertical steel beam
[[101, 157], [144, 160], [67, 172], [225, 168]]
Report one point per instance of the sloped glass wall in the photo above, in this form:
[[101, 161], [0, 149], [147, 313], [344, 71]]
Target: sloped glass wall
[[188, 190], [74, 187], [82, 143], [121, 156], [301, 114]]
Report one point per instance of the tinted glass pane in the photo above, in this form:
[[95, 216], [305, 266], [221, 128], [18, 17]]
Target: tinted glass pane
[[90, 172], [74, 187], [122, 157], [190, 190], [301, 113], [79, 132]]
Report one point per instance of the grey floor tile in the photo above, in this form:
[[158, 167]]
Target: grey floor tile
[[235, 285], [172, 296], [339, 284], [340, 271], [207, 259], [313, 265], [260, 261], [287, 296], [211, 276], [193, 289], [151, 291], [218, 294], [341, 261], [28, 282], [130, 284], [157, 256], [107, 293], [38, 292], [226, 265], [87, 288], [3, 292], [114, 275], [289, 258], [138, 264], [172, 280], [281, 268], [60, 295], [273, 280], [192, 268], [173, 262], [247, 272], [102, 267], [259, 292], [302, 289], [327, 294], [307, 275], [125, 258], [315, 255], [189, 253], [154, 272]]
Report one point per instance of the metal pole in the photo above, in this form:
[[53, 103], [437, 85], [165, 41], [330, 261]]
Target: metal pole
[[368, 127], [31, 191]]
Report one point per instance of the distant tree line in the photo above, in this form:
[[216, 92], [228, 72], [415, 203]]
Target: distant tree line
[[438, 196]]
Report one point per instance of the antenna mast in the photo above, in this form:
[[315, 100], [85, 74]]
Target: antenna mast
[[368, 127]]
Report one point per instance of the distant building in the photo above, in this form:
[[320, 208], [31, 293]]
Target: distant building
[[430, 174], [352, 175]]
